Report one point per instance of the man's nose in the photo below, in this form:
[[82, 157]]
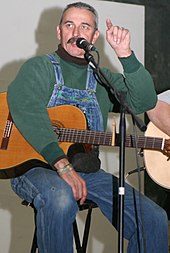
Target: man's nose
[[76, 31]]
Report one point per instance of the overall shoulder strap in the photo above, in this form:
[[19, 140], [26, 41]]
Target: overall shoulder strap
[[57, 69]]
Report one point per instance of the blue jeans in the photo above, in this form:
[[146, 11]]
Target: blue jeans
[[57, 208]]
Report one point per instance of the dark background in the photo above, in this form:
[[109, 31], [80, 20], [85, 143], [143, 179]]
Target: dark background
[[157, 40], [157, 61]]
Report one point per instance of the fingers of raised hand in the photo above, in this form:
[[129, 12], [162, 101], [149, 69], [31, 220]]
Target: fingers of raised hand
[[119, 34]]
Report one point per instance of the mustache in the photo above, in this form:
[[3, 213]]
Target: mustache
[[72, 40]]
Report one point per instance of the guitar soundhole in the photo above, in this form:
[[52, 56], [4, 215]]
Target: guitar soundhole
[[57, 124]]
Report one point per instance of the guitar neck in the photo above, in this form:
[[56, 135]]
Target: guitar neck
[[105, 139]]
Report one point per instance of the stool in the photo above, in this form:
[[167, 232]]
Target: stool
[[80, 247]]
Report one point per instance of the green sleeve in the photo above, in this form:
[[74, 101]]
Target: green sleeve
[[136, 82], [28, 96]]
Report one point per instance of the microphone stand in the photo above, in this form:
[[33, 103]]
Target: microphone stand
[[121, 97]]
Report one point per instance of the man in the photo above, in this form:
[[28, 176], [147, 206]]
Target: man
[[160, 114], [65, 77]]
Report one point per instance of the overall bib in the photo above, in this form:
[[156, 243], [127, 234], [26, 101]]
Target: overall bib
[[83, 99]]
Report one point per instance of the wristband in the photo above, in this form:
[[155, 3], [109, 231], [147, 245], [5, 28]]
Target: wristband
[[67, 168]]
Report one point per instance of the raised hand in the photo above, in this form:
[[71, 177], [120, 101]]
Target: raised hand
[[119, 39]]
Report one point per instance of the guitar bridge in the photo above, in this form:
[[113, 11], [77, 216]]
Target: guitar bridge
[[7, 132]]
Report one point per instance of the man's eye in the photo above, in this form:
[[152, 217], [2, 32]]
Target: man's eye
[[69, 25], [85, 27]]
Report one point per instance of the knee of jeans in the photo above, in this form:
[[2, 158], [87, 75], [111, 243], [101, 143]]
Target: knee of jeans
[[56, 199]]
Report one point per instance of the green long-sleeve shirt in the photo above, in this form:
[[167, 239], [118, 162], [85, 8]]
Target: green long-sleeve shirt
[[29, 93]]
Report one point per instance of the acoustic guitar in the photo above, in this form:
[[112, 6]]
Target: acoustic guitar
[[157, 162], [69, 123]]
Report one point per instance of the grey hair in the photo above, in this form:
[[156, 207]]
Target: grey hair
[[82, 5]]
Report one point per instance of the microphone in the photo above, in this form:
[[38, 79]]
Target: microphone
[[84, 44]]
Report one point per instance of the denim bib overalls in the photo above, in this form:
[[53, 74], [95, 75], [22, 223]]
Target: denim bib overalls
[[85, 100]]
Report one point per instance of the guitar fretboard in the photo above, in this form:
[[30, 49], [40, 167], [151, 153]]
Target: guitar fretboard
[[105, 139]]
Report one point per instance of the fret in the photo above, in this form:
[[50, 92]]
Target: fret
[[100, 139], [145, 142], [83, 136]]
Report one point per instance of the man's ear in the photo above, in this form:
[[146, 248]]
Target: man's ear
[[95, 36], [58, 32]]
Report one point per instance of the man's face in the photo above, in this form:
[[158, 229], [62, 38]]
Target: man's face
[[76, 23]]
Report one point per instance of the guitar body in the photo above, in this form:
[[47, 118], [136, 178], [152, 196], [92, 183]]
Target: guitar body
[[156, 162], [19, 156]]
